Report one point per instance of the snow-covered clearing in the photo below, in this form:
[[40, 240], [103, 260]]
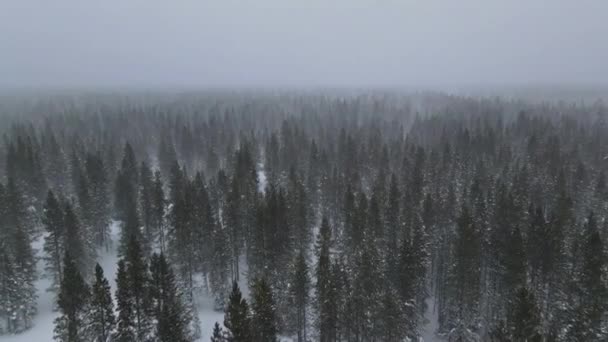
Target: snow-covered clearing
[[431, 322], [262, 180]]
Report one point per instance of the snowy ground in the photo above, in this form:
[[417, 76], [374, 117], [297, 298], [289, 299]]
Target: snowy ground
[[262, 181], [43, 322], [431, 324]]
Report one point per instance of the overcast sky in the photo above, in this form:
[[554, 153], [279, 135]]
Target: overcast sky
[[273, 43]]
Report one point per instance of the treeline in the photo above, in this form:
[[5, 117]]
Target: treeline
[[346, 215]]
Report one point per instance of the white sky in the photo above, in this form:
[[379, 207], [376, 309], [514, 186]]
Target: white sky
[[271, 43]]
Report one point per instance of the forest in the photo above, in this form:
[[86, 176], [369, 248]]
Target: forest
[[359, 216]]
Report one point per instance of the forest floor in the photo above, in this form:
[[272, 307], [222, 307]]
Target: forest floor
[[431, 322], [44, 320]]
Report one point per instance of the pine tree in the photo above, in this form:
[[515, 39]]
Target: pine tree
[[125, 323], [97, 176], [100, 317], [592, 305], [220, 265], [73, 301], [263, 320], [172, 320], [54, 241], [10, 292], [77, 241], [158, 212], [299, 295], [523, 318], [237, 318], [408, 279], [324, 286], [138, 282], [218, 333], [18, 262], [125, 199], [146, 188], [465, 274], [25, 271]]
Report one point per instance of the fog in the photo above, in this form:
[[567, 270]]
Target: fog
[[301, 43]]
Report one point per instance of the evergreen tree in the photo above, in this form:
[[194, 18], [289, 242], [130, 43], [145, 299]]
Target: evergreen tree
[[172, 321], [465, 275], [26, 307], [54, 241], [324, 286], [218, 334], [299, 295], [125, 322], [523, 318], [237, 318], [100, 317], [73, 303], [77, 241], [138, 282], [220, 265], [97, 176], [591, 308], [10, 293], [263, 320], [146, 188], [158, 212]]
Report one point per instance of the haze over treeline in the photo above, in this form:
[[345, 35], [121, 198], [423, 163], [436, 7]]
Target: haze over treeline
[[272, 43]]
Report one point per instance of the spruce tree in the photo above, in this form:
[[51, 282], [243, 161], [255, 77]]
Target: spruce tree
[[100, 317], [263, 319], [523, 318], [125, 322], [25, 274], [77, 241], [73, 303], [146, 188], [218, 333], [171, 319], [97, 175], [138, 282], [324, 286], [299, 295], [237, 318], [54, 241], [10, 293], [220, 265], [591, 307], [464, 275], [158, 212]]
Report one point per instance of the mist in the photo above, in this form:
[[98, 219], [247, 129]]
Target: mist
[[313, 43]]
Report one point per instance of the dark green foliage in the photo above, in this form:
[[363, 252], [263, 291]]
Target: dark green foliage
[[77, 241], [54, 241], [73, 302], [169, 312], [218, 333], [263, 319], [299, 296], [100, 318], [523, 318], [125, 322], [237, 318], [99, 210], [326, 296]]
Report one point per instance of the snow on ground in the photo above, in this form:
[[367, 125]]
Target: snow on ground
[[262, 180], [42, 331], [431, 322], [43, 322]]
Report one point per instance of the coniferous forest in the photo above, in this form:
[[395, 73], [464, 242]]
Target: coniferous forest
[[337, 216]]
